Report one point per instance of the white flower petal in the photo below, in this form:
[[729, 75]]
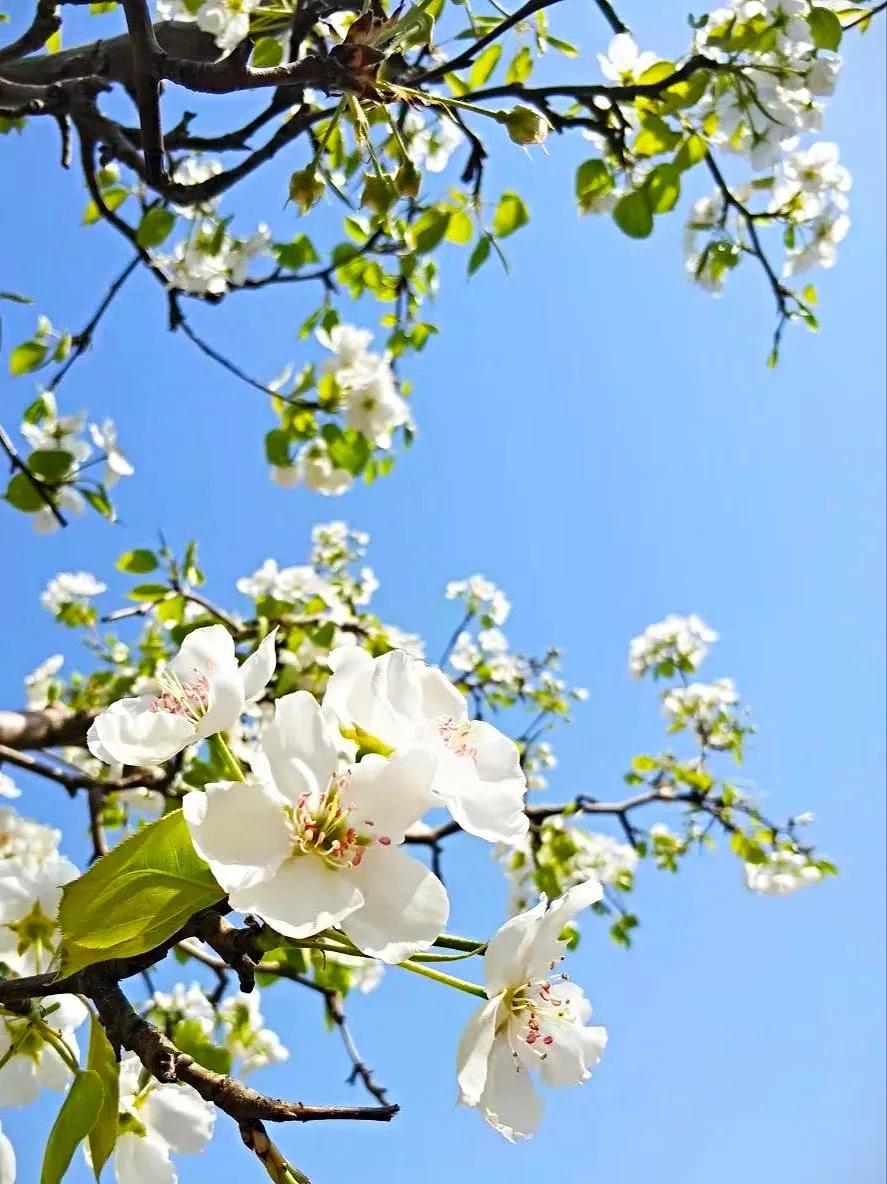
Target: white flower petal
[[506, 951], [7, 1160], [180, 1116], [143, 1159], [239, 828], [209, 653], [303, 897], [129, 732], [440, 697], [300, 746], [390, 795], [405, 905], [545, 946], [474, 1049], [256, 671], [509, 1102]]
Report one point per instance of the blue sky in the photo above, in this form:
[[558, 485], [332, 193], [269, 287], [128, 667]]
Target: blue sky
[[606, 443]]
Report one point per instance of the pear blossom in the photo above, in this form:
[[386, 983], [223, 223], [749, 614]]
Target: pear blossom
[[306, 847], [533, 1021], [226, 20], [7, 1159], [675, 643], [710, 707], [8, 788], [40, 684], [30, 893], [623, 62], [182, 1004], [156, 1120], [404, 705], [430, 147], [315, 469], [250, 1043], [481, 596], [21, 838], [66, 499], [58, 433], [202, 691], [29, 1061], [784, 872], [70, 587], [104, 436]]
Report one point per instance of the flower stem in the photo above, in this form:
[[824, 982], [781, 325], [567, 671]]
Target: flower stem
[[447, 979], [449, 941], [60, 1046], [224, 757]]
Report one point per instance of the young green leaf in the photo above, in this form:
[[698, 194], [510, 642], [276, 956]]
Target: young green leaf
[[511, 214], [75, 1120], [102, 1061], [135, 897]]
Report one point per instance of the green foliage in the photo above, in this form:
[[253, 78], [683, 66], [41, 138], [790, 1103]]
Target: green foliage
[[80, 1110], [155, 227], [102, 1061], [135, 897], [511, 214], [633, 215], [138, 562]]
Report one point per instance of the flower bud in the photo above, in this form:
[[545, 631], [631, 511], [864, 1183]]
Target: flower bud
[[306, 187], [526, 126], [379, 193], [408, 179]]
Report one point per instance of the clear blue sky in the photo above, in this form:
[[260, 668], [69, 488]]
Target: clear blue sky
[[606, 443]]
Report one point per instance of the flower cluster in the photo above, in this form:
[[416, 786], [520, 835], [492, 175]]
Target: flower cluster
[[227, 21], [68, 595], [560, 857], [784, 871], [210, 260], [674, 644], [709, 708]]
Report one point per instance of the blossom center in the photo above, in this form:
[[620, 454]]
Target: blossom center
[[457, 736], [535, 1007], [188, 699], [325, 827]]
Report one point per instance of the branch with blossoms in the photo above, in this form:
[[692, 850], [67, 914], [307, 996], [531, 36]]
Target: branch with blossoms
[[279, 765], [375, 111]]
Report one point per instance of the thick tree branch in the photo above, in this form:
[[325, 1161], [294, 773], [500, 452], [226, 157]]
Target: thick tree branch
[[52, 726]]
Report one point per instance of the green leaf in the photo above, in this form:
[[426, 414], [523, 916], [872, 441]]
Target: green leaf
[[657, 72], [511, 214], [484, 66], [190, 1037], [137, 562], [593, 181], [480, 254], [51, 464], [267, 52], [135, 897], [100, 502], [277, 448], [521, 66], [297, 253], [21, 493], [655, 136], [75, 1120], [429, 229], [27, 357], [112, 198], [148, 592], [633, 216], [825, 27], [348, 450], [460, 228], [155, 228], [102, 1061], [691, 151], [663, 188]]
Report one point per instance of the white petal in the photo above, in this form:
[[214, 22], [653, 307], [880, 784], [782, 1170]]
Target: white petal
[[209, 653], [130, 733], [390, 795], [483, 785], [545, 946], [18, 1080], [239, 828], [180, 1116], [506, 952], [143, 1160], [7, 1160], [405, 908], [474, 1049], [509, 1102], [256, 671], [52, 1072], [300, 746], [303, 897], [440, 697]]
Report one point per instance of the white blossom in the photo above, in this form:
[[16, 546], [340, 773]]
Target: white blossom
[[533, 1021], [201, 691], [250, 1043], [104, 436], [430, 147], [676, 643], [307, 846], [405, 705], [29, 1061], [784, 872], [40, 683], [480, 595], [70, 587], [7, 1159], [156, 1120], [23, 839], [8, 788], [623, 62]]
